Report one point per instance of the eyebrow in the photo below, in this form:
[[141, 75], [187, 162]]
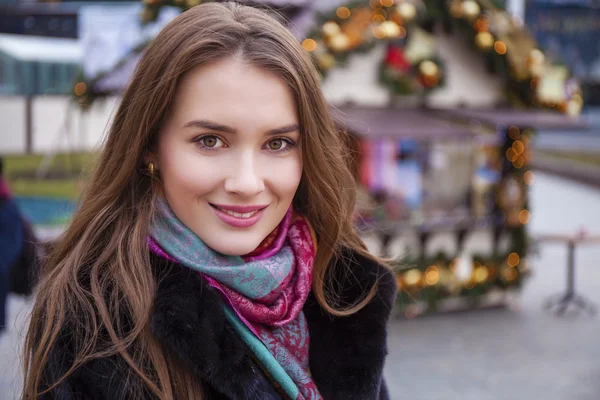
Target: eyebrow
[[213, 126]]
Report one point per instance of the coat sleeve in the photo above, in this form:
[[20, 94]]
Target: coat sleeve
[[11, 234], [104, 378], [347, 354], [25, 271]]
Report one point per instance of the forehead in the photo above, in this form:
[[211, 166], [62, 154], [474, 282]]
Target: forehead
[[234, 92]]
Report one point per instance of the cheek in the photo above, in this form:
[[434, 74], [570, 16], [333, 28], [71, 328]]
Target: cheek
[[185, 174], [285, 177]]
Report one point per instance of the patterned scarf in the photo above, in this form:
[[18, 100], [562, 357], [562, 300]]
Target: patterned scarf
[[264, 292]]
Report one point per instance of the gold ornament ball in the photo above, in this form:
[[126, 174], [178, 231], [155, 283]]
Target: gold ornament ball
[[470, 8], [407, 11], [193, 3], [390, 29], [484, 40], [339, 42], [429, 68], [331, 28]]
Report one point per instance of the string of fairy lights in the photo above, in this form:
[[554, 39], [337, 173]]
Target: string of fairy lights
[[441, 280]]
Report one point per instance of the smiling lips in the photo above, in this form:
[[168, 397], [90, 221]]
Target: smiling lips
[[239, 216]]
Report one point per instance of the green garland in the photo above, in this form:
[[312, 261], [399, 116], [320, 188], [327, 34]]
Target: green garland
[[433, 280], [327, 54], [409, 83]]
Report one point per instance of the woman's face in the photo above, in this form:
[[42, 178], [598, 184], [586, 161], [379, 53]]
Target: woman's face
[[229, 155]]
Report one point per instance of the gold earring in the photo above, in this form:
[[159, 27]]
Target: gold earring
[[151, 168]]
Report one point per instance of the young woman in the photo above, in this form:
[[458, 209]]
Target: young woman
[[213, 254]]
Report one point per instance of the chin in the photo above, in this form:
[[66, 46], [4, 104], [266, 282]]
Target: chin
[[230, 248]]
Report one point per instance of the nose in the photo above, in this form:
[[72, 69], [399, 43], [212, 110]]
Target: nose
[[244, 178]]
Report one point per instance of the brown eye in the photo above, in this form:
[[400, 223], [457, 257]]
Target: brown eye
[[276, 144], [209, 141]]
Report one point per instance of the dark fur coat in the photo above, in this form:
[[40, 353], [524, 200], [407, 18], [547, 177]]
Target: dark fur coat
[[346, 356]]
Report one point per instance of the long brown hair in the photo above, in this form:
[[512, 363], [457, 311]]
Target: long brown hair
[[99, 273]]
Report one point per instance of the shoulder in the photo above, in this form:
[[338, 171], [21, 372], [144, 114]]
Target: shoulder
[[189, 324], [347, 353], [351, 275], [9, 213], [100, 378]]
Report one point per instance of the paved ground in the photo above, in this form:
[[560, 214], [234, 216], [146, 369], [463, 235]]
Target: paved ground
[[506, 354]]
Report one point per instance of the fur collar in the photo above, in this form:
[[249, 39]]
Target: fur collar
[[346, 353]]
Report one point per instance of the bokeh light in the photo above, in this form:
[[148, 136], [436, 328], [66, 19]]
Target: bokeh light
[[343, 12], [500, 47], [432, 275], [529, 177], [524, 217], [309, 44], [513, 260], [80, 89]]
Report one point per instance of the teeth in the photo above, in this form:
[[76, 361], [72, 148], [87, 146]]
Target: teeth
[[239, 215]]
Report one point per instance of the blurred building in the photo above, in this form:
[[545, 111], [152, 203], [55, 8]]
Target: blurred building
[[39, 50], [569, 32], [44, 18], [32, 65]]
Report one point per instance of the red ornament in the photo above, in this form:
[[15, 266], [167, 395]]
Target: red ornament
[[396, 59]]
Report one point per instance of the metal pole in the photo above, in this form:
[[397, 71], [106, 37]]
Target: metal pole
[[571, 269]]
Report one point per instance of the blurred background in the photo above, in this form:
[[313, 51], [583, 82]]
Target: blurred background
[[475, 133]]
